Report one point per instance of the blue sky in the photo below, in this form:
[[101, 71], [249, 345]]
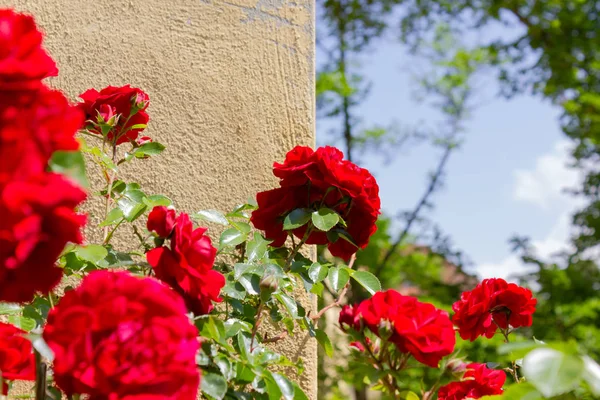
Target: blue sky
[[507, 177]]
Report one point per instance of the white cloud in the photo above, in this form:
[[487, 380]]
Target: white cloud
[[544, 184]]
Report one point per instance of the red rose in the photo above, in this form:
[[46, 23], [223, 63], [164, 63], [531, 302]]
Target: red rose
[[38, 219], [33, 125], [125, 105], [349, 317], [162, 221], [23, 61], [121, 337], [314, 179], [17, 361], [187, 266], [478, 381], [493, 303], [416, 328]]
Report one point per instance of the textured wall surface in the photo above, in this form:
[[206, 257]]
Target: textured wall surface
[[231, 88]]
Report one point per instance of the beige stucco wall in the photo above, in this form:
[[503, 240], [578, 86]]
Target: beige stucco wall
[[231, 85]]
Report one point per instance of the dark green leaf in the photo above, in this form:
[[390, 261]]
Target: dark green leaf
[[289, 304], [256, 248], [211, 216], [324, 341], [299, 393], [132, 204], [251, 283], [284, 384], [232, 237], [297, 218], [317, 272], [113, 217], [148, 149], [368, 281], [70, 164], [338, 277], [324, 219], [157, 200], [214, 385]]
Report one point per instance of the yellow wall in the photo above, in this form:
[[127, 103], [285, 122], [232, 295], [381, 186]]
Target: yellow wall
[[231, 85]]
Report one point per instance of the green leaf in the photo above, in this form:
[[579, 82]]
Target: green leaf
[[232, 237], [299, 393], [368, 281], [324, 341], [9, 309], [233, 326], [251, 283], [148, 149], [27, 324], [256, 249], [338, 277], [273, 390], [409, 396], [157, 200], [93, 253], [289, 304], [517, 349], [113, 217], [552, 372], [71, 164], [324, 219], [591, 375], [214, 385], [284, 384], [297, 218], [234, 290], [132, 204], [211, 216], [317, 272], [521, 391]]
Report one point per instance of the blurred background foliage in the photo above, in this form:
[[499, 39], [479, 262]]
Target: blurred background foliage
[[557, 58]]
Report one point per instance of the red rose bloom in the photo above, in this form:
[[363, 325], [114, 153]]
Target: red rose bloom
[[23, 61], [126, 106], [478, 381], [493, 303], [33, 125], [38, 219], [121, 337], [416, 328], [314, 179], [349, 317], [17, 361], [187, 265], [162, 221]]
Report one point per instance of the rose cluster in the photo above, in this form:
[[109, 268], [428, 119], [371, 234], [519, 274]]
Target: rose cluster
[[187, 265], [493, 304], [315, 179], [478, 381], [118, 336], [116, 113], [37, 207], [416, 328]]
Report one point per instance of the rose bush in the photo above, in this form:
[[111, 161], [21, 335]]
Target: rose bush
[[138, 320]]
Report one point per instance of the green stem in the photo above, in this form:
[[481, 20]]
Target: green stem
[[296, 248]]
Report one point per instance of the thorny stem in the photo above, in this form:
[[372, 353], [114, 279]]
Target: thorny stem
[[296, 249], [340, 298], [259, 313]]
